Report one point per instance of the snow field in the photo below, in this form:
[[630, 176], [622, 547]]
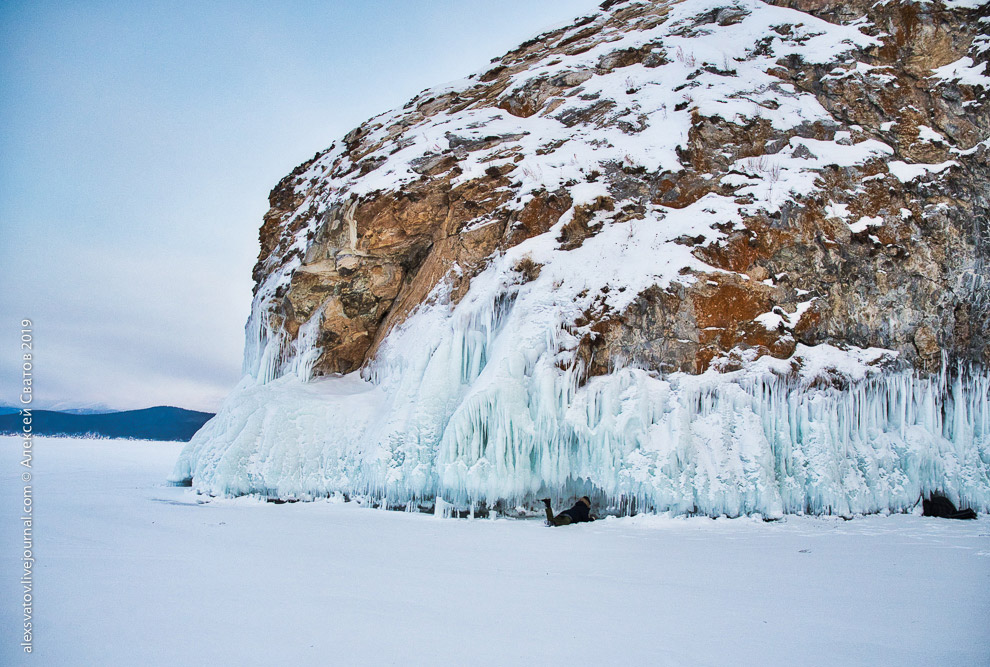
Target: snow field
[[131, 571]]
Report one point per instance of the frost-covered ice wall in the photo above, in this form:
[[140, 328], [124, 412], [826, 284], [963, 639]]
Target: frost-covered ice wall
[[480, 403], [688, 444]]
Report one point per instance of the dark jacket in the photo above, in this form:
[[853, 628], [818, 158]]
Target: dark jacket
[[579, 513]]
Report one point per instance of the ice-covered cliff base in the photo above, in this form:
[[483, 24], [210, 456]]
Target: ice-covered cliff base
[[834, 437]]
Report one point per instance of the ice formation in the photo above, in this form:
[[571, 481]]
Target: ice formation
[[479, 403], [484, 401]]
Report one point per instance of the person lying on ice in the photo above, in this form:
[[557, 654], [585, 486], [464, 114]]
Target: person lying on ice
[[577, 514]]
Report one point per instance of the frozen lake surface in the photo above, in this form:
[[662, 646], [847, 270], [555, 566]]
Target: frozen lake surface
[[130, 571]]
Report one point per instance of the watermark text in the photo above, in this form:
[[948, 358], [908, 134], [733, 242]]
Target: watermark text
[[27, 459]]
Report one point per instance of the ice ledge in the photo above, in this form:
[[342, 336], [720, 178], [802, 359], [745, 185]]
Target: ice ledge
[[770, 439]]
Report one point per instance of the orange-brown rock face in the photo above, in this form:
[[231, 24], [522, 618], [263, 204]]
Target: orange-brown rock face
[[682, 256], [815, 172]]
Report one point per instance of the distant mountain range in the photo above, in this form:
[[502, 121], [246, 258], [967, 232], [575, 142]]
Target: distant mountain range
[[158, 423], [68, 407]]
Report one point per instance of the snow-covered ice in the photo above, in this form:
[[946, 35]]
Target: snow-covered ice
[[131, 571]]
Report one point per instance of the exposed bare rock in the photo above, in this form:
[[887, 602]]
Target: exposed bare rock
[[863, 224]]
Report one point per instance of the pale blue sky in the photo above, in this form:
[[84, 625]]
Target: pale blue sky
[[138, 144]]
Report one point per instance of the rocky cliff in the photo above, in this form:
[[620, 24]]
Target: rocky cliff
[[528, 267]]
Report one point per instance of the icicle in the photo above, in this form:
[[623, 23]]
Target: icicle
[[472, 404]]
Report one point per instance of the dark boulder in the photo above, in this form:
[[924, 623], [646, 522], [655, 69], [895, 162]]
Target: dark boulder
[[942, 507]]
